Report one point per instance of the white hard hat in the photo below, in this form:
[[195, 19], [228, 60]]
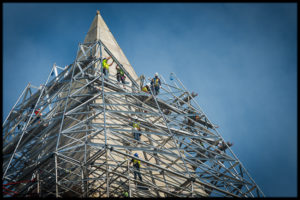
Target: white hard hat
[[134, 117], [148, 84], [156, 74]]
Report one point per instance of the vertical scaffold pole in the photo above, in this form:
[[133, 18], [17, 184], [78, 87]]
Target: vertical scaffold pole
[[128, 174], [85, 156], [56, 178], [38, 184], [104, 117], [82, 181]]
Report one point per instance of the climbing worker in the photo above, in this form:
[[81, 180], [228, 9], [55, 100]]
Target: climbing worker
[[106, 66], [137, 166], [146, 88], [120, 75], [136, 127], [155, 84]]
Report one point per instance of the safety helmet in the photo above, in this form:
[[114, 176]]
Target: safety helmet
[[134, 117], [148, 84], [136, 155], [156, 74]]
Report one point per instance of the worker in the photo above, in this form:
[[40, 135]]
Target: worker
[[146, 88], [106, 66], [222, 146], [194, 117], [136, 127], [125, 194], [37, 113], [155, 84], [137, 166], [120, 75], [197, 117]]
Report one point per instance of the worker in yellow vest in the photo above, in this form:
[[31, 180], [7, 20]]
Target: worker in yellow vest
[[125, 194], [105, 66], [136, 127], [137, 166], [146, 88]]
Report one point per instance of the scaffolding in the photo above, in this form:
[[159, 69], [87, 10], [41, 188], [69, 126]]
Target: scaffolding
[[74, 137]]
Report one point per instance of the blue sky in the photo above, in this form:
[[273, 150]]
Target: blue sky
[[241, 58]]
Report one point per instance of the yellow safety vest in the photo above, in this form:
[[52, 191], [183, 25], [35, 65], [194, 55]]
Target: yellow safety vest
[[104, 64], [144, 89], [136, 161], [136, 125], [156, 81]]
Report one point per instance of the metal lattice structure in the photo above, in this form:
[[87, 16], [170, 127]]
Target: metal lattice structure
[[83, 142]]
